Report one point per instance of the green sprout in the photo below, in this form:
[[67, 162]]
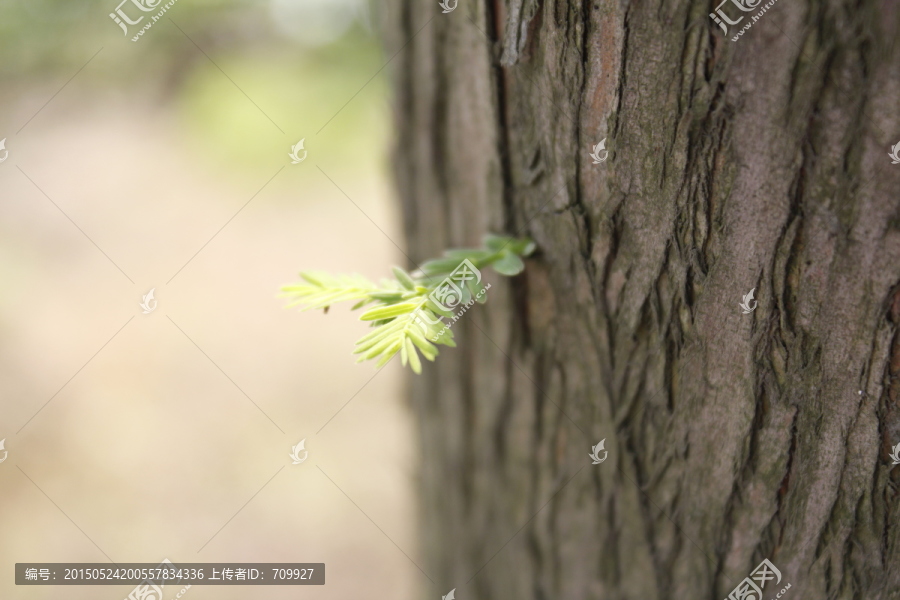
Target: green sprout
[[407, 310]]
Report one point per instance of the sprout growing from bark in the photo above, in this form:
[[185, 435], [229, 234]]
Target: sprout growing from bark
[[406, 311]]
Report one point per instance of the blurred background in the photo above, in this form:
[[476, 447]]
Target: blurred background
[[163, 164]]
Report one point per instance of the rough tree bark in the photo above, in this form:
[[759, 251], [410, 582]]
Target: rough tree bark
[[732, 437]]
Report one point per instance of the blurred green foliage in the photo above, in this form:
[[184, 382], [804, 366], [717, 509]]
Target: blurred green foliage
[[240, 82]]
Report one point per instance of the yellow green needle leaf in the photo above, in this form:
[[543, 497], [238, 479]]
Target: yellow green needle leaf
[[414, 361], [386, 312]]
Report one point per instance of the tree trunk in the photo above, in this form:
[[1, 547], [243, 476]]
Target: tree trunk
[[732, 438]]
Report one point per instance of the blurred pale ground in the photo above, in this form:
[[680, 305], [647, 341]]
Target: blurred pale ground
[[149, 449]]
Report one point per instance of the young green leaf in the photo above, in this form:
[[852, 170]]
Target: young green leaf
[[391, 310], [439, 266], [404, 278], [386, 297], [509, 265], [414, 361], [405, 317]]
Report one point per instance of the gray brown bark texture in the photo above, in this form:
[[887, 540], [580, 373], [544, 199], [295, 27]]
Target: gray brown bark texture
[[732, 437]]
